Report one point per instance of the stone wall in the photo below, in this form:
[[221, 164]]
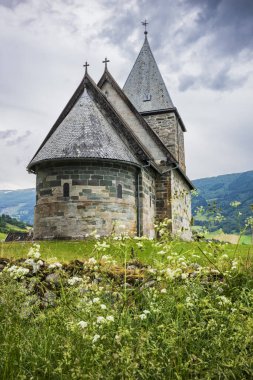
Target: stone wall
[[168, 128], [92, 203], [148, 202], [163, 196], [180, 206]]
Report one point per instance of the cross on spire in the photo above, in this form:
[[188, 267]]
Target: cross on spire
[[145, 23], [86, 67], [105, 62]]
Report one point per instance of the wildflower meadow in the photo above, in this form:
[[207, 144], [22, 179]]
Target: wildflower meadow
[[127, 308]]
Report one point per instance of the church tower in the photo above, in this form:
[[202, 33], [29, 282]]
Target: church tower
[[146, 90]]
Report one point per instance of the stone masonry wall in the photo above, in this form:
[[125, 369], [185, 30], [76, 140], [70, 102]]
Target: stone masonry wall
[[181, 206], [92, 204], [148, 202], [170, 132], [163, 197]]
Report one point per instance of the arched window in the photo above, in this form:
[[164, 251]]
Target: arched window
[[119, 191], [66, 190]]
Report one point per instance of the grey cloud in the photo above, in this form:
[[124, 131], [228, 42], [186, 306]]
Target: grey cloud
[[222, 81], [19, 139], [7, 133], [186, 82], [11, 3], [230, 22], [219, 81]]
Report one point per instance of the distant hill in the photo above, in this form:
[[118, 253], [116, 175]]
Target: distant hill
[[18, 204], [223, 190], [8, 224]]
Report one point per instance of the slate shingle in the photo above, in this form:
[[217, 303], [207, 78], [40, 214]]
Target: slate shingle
[[84, 133], [145, 82]]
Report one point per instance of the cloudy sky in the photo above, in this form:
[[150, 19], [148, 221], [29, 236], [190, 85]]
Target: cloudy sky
[[204, 49]]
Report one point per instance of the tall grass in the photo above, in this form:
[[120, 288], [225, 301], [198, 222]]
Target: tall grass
[[175, 313]]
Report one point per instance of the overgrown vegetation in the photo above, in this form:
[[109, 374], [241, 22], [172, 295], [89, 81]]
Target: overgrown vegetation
[[129, 309]]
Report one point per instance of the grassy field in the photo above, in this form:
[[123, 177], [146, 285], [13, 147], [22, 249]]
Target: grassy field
[[65, 251], [129, 309], [2, 236]]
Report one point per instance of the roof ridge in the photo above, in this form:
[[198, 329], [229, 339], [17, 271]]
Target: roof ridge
[[107, 75]]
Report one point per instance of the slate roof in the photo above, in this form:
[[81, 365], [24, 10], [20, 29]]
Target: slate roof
[[84, 132], [107, 76], [145, 86]]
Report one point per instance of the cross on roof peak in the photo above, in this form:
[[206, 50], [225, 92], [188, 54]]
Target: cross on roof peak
[[86, 67], [105, 62], [145, 23]]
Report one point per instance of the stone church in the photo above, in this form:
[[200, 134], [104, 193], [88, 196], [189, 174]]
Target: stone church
[[114, 160]]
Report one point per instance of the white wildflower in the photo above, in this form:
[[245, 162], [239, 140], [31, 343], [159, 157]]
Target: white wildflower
[[74, 280], [142, 316], [106, 258], [55, 266], [82, 324], [184, 276], [170, 273], [234, 264], [95, 338], [35, 264], [100, 319], [162, 252], [146, 312], [17, 272], [96, 300], [110, 318], [102, 246], [224, 300], [34, 252], [103, 307], [163, 290], [92, 260]]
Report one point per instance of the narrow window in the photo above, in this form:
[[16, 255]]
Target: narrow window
[[66, 190], [119, 191], [150, 201]]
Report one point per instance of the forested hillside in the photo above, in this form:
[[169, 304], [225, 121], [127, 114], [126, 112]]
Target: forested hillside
[[8, 224], [219, 193]]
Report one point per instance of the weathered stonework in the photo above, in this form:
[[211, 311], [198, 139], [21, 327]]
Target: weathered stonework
[[168, 128], [148, 202], [92, 203], [180, 207], [163, 197]]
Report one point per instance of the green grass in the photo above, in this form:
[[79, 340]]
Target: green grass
[[66, 251], [11, 227], [170, 320], [2, 236]]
